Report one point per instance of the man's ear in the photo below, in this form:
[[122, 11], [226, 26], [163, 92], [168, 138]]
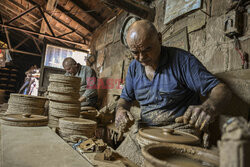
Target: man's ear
[[160, 37]]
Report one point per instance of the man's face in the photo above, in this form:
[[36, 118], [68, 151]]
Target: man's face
[[145, 48], [71, 69]]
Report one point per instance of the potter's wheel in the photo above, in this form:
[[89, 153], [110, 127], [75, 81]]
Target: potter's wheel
[[167, 135]]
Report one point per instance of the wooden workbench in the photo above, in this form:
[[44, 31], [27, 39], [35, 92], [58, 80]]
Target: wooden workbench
[[36, 147], [42, 147]]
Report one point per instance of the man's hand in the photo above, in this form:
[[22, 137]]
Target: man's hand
[[82, 99], [199, 116], [123, 120]]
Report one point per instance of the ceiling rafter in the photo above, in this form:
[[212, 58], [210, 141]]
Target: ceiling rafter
[[40, 40], [20, 15], [23, 8], [8, 6], [49, 6], [67, 26], [22, 21], [21, 43], [66, 34], [45, 35], [8, 38], [71, 16], [37, 45], [41, 11], [88, 11], [34, 15], [76, 19], [62, 22]]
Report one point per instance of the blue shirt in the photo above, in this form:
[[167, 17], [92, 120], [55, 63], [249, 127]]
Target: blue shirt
[[178, 81]]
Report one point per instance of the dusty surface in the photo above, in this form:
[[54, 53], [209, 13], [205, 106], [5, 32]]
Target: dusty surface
[[130, 148], [37, 147]]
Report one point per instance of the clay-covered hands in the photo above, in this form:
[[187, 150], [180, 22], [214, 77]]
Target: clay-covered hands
[[123, 120], [199, 116]]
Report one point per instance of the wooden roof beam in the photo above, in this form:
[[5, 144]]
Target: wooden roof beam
[[134, 7], [49, 6], [21, 21], [24, 52], [37, 46], [45, 35], [76, 19], [22, 42], [66, 25], [36, 30], [21, 7], [85, 9], [7, 6], [65, 34], [20, 15], [67, 13], [46, 21], [60, 21]]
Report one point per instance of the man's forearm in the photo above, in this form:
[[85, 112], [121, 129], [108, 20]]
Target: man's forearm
[[123, 104], [90, 93], [123, 118], [218, 98]]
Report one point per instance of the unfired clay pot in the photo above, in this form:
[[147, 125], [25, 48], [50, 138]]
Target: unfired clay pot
[[178, 155]]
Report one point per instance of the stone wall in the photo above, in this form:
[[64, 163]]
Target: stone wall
[[205, 36]]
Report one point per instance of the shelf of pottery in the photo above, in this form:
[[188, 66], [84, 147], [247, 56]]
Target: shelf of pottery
[[8, 82]]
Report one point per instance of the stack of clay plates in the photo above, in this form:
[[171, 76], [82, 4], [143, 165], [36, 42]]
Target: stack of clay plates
[[26, 104], [88, 112], [63, 95], [69, 126]]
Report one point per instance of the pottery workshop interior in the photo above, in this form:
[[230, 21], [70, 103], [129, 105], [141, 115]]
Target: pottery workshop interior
[[124, 83]]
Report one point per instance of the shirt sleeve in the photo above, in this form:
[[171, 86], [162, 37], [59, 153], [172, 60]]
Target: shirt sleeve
[[90, 76], [197, 77], [128, 90]]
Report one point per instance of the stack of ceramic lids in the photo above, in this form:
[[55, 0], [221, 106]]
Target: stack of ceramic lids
[[63, 95], [69, 126], [26, 104]]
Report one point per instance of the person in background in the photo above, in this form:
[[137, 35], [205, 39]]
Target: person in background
[[2, 59], [88, 96], [31, 82]]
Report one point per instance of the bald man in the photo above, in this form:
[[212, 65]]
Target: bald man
[[88, 97], [167, 82]]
